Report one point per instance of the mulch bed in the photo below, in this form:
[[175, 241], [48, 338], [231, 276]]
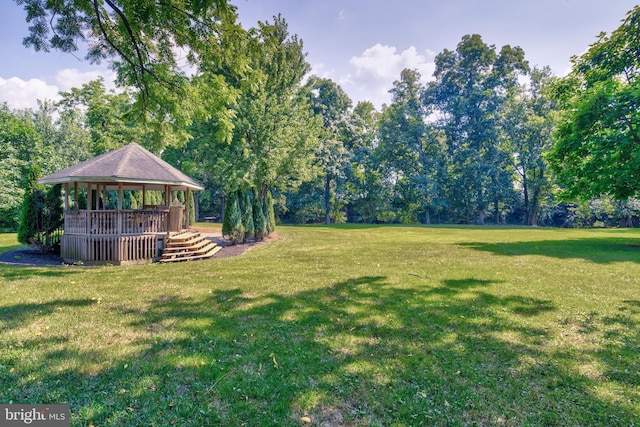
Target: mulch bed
[[30, 257]]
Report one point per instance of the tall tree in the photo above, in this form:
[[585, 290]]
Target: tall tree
[[19, 142], [332, 104], [467, 96], [275, 122], [367, 194], [47, 138], [274, 129], [528, 122], [150, 45], [597, 148], [412, 148]]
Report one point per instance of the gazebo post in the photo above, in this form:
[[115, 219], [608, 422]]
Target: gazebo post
[[118, 246], [66, 196], [89, 197], [119, 196], [75, 195], [120, 209], [144, 195], [186, 209]]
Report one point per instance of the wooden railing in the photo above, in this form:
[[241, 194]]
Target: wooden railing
[[142, 222], [116, 223]]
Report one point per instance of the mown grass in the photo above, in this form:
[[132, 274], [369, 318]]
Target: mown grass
[[388, 326]]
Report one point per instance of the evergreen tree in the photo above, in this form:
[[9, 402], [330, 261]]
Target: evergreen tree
[[259, 220], [42, 213], [232, 227], [133, 197], [33, 200], [192, 208], [247, 215], [52, 218], [269, 214]]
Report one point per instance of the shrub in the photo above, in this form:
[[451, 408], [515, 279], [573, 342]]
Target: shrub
[[269, 214], [246, 210], [259, 220], [232, 227], [42, 214]]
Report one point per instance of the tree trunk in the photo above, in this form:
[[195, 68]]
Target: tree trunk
[[532, 211], [626, 222], [427, 217], [327, 199], [481, 217], [496, 207], [196, 205], [525, 189]]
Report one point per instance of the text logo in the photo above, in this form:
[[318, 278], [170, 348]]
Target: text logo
[[34, 415]]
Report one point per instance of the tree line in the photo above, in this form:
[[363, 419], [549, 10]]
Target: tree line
[[490, 139]]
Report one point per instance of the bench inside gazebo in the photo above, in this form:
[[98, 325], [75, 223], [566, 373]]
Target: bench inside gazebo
[[99, 235]]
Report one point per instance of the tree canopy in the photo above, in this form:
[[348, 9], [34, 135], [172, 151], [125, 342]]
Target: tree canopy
[[468, 96], [152, 45], [242, 115], [597, 149]]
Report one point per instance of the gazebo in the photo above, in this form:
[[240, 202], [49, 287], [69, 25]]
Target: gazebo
[[99, 235]]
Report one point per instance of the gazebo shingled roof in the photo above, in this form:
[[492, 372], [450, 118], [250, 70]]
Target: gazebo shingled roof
[[131, 165]]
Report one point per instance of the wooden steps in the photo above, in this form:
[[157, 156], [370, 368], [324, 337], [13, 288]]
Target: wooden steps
[[188, 246]]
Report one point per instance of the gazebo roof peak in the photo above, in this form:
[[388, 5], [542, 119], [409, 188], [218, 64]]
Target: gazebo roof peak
[[131, 164]]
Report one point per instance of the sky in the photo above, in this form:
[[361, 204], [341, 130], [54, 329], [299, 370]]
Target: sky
[[362, 45]]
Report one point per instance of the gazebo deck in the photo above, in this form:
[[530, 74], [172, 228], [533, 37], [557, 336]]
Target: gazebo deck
[[114, 237]]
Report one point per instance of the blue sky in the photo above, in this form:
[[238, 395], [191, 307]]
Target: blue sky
[[361, 44]]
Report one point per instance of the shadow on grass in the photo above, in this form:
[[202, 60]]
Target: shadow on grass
[[18, 315], [361, 352], [598, 250], [620, 354], [13, 273]]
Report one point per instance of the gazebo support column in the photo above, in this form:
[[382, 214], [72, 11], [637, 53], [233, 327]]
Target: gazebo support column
[[66, 196], [75, 195], [89, 196], [186, 209]]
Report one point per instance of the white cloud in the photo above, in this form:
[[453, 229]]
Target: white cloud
[[72, 77], [378, 67], [321, 70], [19, 93]]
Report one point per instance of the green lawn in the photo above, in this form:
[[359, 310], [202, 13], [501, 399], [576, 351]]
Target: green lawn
[[388, 326]]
